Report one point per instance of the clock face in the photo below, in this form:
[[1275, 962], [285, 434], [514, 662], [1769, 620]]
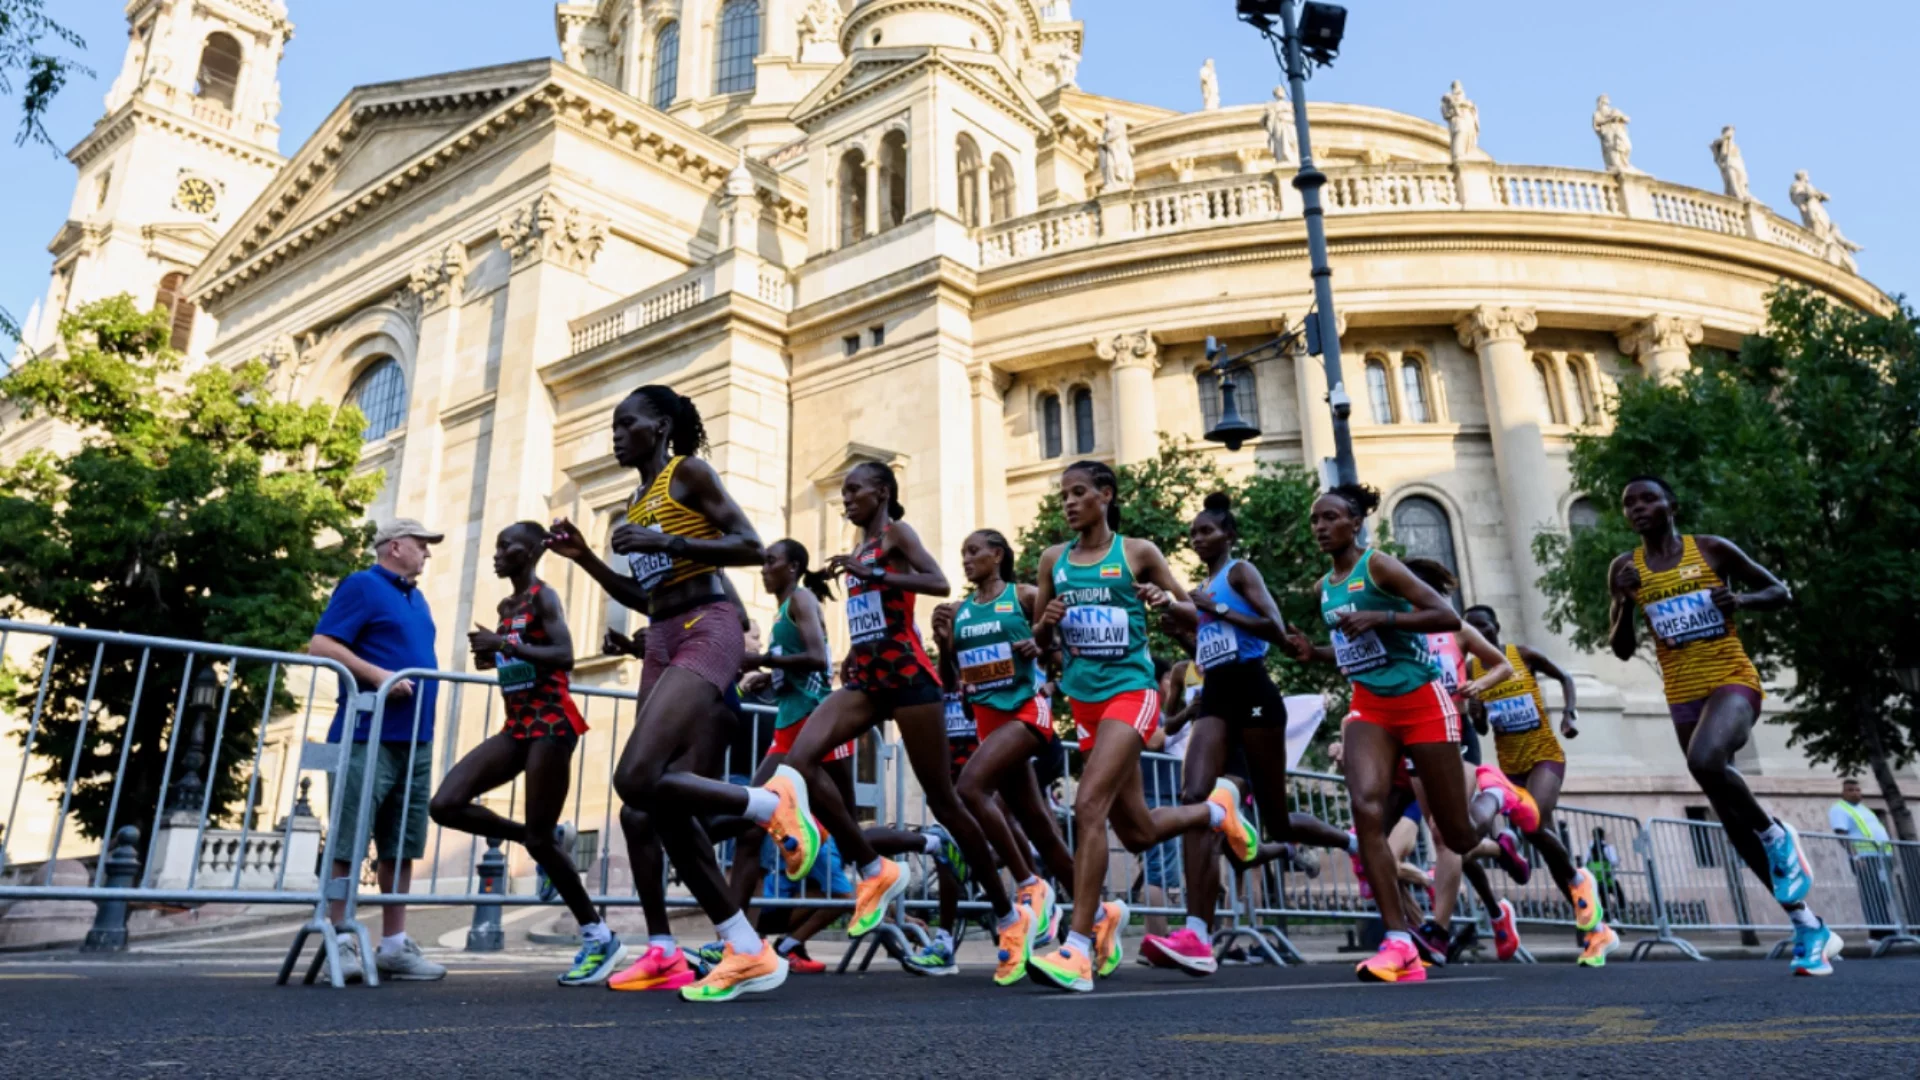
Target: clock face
[[195, 195]]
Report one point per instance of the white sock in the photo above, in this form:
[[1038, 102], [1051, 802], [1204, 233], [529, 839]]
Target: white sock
[[1353, 843], [1802, 916], [1200, 927], [1079, 943], [867, 870], [1401, 936], [761, 804], [663, 942], [787, 945], [595, 931], [941, 937], [932, 846], [1031, 881], [737, 932], [393, 943], [1772, 834], [1216, 814], [1012, 916]]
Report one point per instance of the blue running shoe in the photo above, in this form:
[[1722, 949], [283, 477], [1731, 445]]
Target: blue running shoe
[[948, 854], [708, 956], [935, 959], [1814, 949], [1792, 877], [543, 886], [595, 963]]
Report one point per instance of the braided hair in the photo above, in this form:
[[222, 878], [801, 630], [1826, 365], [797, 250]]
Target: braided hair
[[1102, 476], [794, 553], [1220, 506], [1434, 573], [686, 434], [1361, 499], [995, 539], [889, 482]]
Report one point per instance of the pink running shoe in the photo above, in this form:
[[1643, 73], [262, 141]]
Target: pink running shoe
[[1510, 858], [1181, 949], [1360, 874], [1515, 801], [657, 969], [1396, 962]]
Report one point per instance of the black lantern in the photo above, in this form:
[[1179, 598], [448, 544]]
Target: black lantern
[[1233, 429]]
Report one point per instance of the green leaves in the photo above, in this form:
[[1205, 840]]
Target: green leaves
[[24, 26]]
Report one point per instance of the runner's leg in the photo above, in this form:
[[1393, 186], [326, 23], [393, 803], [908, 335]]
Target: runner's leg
[[549, 776]]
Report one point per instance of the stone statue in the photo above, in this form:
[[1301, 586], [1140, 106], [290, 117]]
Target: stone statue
[[1812, 203], [270, 104], [1209, 86], [819, 32], [1282, 140], [1116, 156], [1733, 168], [1615, 147], [1463, 121], [1065, 65]]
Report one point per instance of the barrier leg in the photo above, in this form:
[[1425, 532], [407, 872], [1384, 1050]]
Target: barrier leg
[[1897, 900], [1663, 932]]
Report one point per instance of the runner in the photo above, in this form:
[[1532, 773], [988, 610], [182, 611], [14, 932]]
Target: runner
[[1683, 584], [681, 528], [531, 653], [1379, 614], [989, 634], [1530, 754], [1094, 593]]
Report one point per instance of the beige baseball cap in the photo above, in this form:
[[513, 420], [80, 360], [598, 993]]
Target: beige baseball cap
[[399, 527]]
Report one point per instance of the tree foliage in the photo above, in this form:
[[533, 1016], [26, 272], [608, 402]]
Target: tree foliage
[[198, 507], [1803, 450], [27, 32]]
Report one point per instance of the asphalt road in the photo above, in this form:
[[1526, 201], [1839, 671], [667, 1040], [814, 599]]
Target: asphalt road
[[62, 1017]]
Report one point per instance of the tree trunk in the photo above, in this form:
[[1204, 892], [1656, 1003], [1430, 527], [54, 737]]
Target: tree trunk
[[1897, 809]]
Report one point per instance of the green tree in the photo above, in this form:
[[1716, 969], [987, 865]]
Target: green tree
[[27, 32], [197, 507], [1804, 450]]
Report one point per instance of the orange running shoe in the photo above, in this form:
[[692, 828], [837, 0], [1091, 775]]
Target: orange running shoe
[[1587, 912], [1045, 905], [1396, 962], [657, 969], [1016, 948], [1506, 932], [1243, 843], [738, 973], [1515, 801], [874, 895], [1600, 941], [793, 826], [1065, 968], [1107, 950]]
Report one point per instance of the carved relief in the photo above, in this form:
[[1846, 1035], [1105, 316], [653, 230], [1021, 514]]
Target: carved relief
[[1661, 333], [547, 228], [439, 276], [1487, 324], [1132, 349]]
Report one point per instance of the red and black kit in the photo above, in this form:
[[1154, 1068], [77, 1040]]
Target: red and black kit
[[888, 659], [539, 703]]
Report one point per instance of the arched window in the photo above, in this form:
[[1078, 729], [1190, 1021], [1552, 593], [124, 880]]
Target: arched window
[[1082, 420], [853, 197], [1413, 390], [1582, 514], [1582, 376], [1246, 397], [174, 302], [1549, 401], [666, 65], [380, 393], [1000, 190], [1378, 392], [733, 70], [1050, 441], [219, 75], [1421, 527], [967, 161], [893, 179]]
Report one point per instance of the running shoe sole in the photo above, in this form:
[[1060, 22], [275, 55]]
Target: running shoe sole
[[916, 969], [810, 846], [1111, 960], [1587, 912], [1600, 960], [757, 985], [1795, 892], [1157, 955], [675, 981], [1045, 976], [1412, 974], [893, 893], [1243, 844], [607, 969], [1828, 954]]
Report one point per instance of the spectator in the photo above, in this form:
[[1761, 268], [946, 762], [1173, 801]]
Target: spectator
[[1603, 861], [1872, 854], [376, 624]]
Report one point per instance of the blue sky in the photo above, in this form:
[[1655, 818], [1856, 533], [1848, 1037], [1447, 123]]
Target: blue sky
[[1820, 87]]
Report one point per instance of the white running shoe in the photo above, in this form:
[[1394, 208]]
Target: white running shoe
[[407, 964]]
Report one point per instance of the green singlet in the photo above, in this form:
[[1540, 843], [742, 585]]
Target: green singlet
[[1105, 630], [984, 634], [1386, 661], [797, 695]]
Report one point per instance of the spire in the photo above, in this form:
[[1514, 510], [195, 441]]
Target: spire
[[740, 183]]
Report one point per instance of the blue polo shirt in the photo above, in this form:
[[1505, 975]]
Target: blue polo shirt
[[385, 621]]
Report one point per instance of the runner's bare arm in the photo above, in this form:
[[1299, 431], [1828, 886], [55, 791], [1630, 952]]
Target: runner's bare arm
[[1765, 591], [923, 574], [1495, 661], [1543, 666], [558, 652], [739, 544], [567, 541], [1267, 623], [804, 610], [1051, 609], [1150, 569], [1431, 613]]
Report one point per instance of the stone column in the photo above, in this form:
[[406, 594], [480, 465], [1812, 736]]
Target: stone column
[[1135, 357], [1527, 486], [982, 194], [633, 35], [872, 169], [990, 446], [1316, 420], [1664, 344], [437, 283]]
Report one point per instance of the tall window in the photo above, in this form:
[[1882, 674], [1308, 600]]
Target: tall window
[[968, 166], [1549, 401], [174, 302], [666, 65], [733, 70], [1582, 376], [853, 197], [1082, 420], [1246, 398], [1413, 390], [380, 393], [219, 75], [1378, 392], [893, 179], [1000, 190], [1582, 514], [1050, 441], [1422, 528]]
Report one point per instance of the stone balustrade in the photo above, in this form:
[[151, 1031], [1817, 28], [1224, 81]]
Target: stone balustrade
[[1229, 200], [663, 301], [1557, 191], [1040, 234], [212, 114], [1369, 191]]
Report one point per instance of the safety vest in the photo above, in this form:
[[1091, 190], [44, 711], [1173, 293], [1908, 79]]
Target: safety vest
[[1864, 822]]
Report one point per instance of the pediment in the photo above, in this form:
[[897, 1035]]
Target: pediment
[[869, 72], [843, 460]]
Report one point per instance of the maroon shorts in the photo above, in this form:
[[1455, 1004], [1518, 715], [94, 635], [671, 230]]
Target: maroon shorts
[[1686, 715], [706, 641]]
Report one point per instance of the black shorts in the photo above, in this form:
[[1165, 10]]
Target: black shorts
[[921, 689], [1244, 696]]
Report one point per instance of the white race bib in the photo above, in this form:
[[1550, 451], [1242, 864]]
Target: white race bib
[[989, 667], [1362, 652], [1690, 617], [1218, 643], [866, 618], [649, 568], [1096, 633], [1514, 715]]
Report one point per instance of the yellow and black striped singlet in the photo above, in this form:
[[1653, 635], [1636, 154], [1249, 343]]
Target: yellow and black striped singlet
[[1517, 711], [657, 509], [1697, 648]]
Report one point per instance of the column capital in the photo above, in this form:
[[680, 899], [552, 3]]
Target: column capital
[[1487, 324], [1130, 349], [548, 228], [1661, 333], [439, 277]]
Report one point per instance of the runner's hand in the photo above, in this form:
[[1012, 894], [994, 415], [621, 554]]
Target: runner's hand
[[1056, 610], [1359, 622], [942, 621], [1028, 649], [1301, 646], [564, 539], [483, 640], [848, 566], [638, 540], [615, 643], [1625, 582], [755, 682], [1726, 600], [1152, 595], [1567, 728]]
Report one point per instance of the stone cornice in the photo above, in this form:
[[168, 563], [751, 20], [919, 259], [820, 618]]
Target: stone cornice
[[1661, 333], [835, 98], [112, 128], [1488, 324]]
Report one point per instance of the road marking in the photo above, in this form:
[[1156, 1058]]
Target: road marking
[[1356, 985], [39, 975]]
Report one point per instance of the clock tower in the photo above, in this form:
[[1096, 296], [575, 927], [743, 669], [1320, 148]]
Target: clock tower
[[190, 138]]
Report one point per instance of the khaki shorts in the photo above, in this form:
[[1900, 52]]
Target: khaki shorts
[[393, 784]]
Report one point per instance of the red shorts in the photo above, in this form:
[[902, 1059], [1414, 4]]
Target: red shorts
[[1036, 712], [1138, 709], [783, 739], [1423, 716]]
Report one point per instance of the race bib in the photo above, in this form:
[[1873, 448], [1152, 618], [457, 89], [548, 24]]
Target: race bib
[[1690, 617], [1514, 715], [1360, 653], [779, 681], [866, 618], [1219, 643], [650, 568], [959, 724], [514, 675], [989, 667], [1096, 633]]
